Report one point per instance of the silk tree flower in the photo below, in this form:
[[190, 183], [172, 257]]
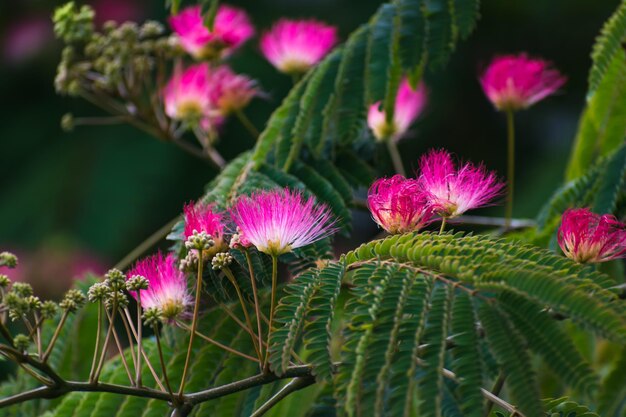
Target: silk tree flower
[[278, 221], [517, 82], [294, 46], [205, 218], [398, 204], [586, 237], [167, 289], [229, 91], [409, 105], [187, 94], [451, 191], [231, 28]]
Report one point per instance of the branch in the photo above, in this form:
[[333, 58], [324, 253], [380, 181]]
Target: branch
[[493, 221], [293, 386]]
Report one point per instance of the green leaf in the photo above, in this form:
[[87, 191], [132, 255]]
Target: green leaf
[[607, 45]]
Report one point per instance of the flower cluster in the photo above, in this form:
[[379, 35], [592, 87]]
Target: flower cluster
[[401, 205], [587, 237]]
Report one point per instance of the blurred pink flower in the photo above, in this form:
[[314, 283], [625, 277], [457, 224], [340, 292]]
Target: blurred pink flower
[[26, 38], [119, 11], [167, 289], [398, 204], [409, 105], [230, 91], [517, 82], [232, 27], [279, 221], [187, 94], [588, 237], [294, 46], [451, 191]]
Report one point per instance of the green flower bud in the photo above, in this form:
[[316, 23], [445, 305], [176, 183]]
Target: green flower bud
[[73, 300], [21, 342], [49, 309], [98, 292], [8, 259], [67, 122], [22, 289], [151, 29], [152, 316], [4, 281], [199, 241], [136, 283], [221, 260], [115, 279]]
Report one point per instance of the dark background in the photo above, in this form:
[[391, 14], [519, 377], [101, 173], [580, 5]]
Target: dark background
[[70, 201]]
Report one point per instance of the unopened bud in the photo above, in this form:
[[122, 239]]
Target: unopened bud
[[152, 316], [136, 283], [73, 300], [221, 260], [21, 342], [4, 281], [49, 309], [8, 259], [199, 241], [98, 292], [116, 299], [22, 289], [67, 122], [115, 279]]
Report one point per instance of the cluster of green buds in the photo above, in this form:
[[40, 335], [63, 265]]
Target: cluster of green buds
[[221, 260], [72, 301], [152, 316], [137, 283], [21, 342], [119, 57], [8, 259], [111, 291], [21, 302], [189, 262], [199, 241]]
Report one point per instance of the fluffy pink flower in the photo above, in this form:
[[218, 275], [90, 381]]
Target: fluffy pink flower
[[588, 237], [409, 105], [452, 191], [204, 218], [517, 82], [229, 91], [167, 289], [187, 94], [279, 221], [231, 29], [398, 204], [294, 46]]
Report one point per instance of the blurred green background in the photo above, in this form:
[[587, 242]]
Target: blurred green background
[[71, 201]]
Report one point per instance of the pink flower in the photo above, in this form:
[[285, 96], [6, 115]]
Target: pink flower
[[187, 94], [588, 237], [231, 29], [451, 191], [409, 104], [517, 82], [279, 221], [167, 288], [202, 217], [229, 91], [398, 204], [294, 46]]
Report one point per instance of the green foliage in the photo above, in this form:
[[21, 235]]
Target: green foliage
[[607, 46]]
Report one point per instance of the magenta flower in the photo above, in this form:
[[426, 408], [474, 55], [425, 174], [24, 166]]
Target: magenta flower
[[231, 29], [294, 46], [167, 288], [229, 91], [451, 191], [398, 204], [588, 237], [279, 221], [187, 94], [517, 82], [409, 105], [202, 217]]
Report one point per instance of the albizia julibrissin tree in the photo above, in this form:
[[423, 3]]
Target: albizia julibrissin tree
[[251, 304]]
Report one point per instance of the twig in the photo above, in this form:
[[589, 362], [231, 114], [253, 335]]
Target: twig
[[216, 343], [163, 365], [293, 386], [497, 387], [55, 336], [120, 349], [255, 295]]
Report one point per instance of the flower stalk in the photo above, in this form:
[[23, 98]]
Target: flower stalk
[[510, 127]]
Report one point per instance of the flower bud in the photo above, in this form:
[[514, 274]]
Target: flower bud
[[115, 279], [67, 122], [22, 289], [21, 342], [221, 260], [73, 300], [4, 281], [97, 292], [49, 309], [8, 259], [199, 241], [136, 283], [116, 299], [152, 316]]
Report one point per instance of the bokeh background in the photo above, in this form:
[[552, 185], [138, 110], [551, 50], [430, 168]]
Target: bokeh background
[[75, 201]]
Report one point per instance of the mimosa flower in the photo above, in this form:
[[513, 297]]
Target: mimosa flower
[[279, 221], [167, 289], [409, 105], [294, 46], [200, 218], [452, 191], [517, 82], [586, 237], [398, 204], [229, 91], [187, 94], [231, 29]]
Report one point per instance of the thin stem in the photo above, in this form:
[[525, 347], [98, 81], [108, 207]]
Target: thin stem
[[194, 323], [139, 340], [152, 240], [55, 336], [162, 360], [443, 225], [255, 294], [6, 334], [396, 159], [97, 345], [216, 157], [120, 349], [218, 344], [294, 385], [233, 281], [497, 387], [38, 324], [272, 307], [247, 123], [96, 374], [510, 125]]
